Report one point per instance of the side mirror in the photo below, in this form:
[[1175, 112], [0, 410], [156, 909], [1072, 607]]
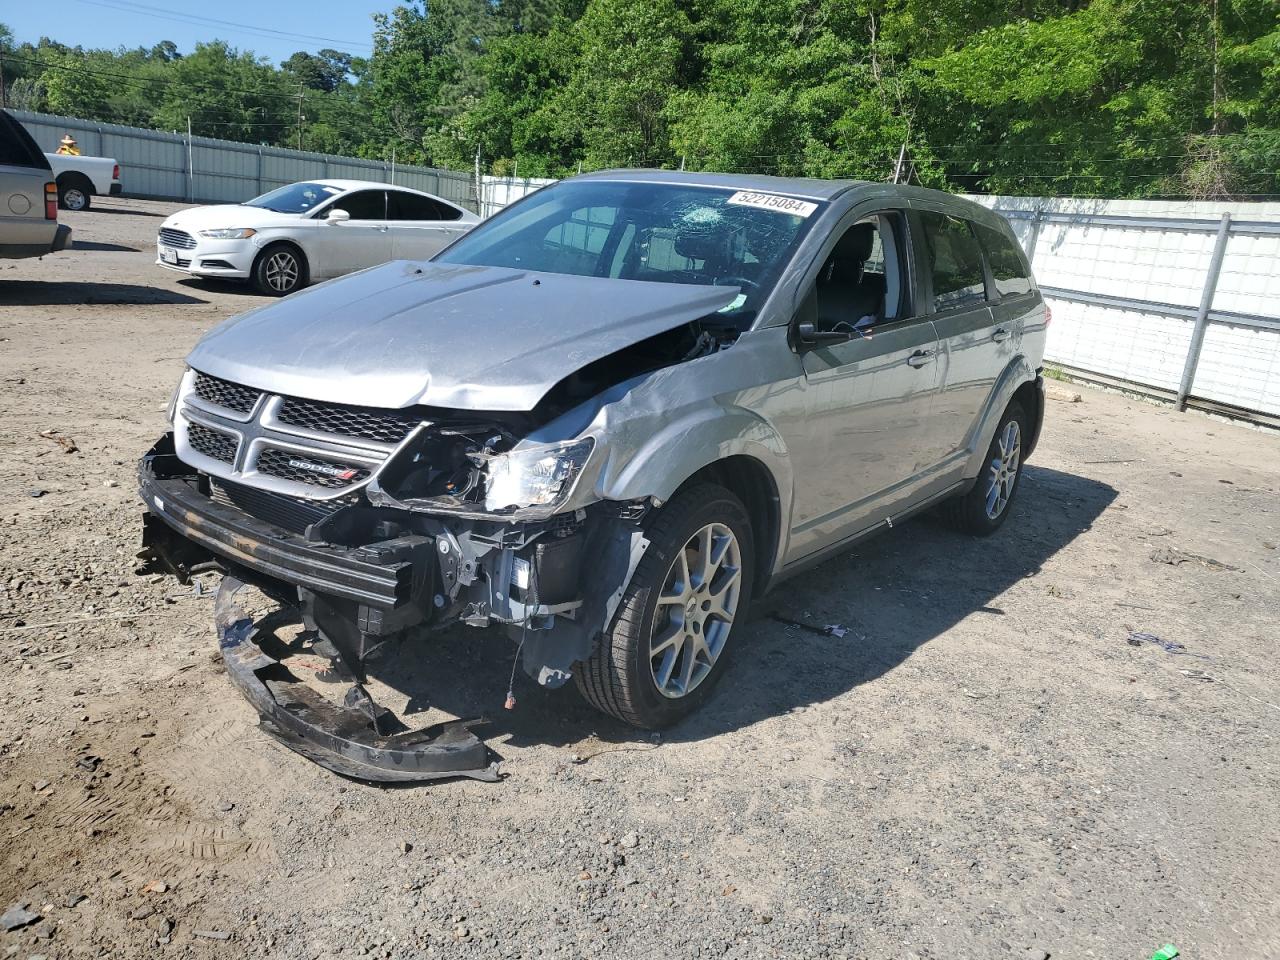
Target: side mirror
[[808, 335], [338, 215]]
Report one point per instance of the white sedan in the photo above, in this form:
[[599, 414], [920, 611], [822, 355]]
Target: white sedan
[[309, 231]]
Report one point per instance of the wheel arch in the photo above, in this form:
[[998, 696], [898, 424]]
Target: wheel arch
[[732, 447], [750, 481], [1018, 376], [74, 178], [304, 258]]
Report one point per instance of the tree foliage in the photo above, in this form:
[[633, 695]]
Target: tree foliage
[[1077, 97]]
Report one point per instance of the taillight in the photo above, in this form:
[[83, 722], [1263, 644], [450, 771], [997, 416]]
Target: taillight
[[51, 201], [115, 172]]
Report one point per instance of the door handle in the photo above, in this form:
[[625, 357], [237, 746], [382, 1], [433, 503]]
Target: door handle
[[920, 359], [1000, 335]]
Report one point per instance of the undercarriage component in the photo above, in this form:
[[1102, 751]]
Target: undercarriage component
[[358, 739]]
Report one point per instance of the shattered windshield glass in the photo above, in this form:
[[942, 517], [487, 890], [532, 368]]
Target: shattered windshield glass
[[666, 233]]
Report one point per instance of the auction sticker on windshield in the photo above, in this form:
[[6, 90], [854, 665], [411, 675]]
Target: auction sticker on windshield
[[771, 201]]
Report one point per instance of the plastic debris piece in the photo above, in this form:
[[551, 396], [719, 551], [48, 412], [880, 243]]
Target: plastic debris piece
[[1137, 639], [1196, 675], [828, 630], [1167, 952]]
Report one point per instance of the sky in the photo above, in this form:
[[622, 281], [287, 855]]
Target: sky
[[272, 28]]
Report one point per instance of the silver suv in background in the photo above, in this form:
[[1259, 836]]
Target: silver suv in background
[[605, 420], [28, 196]]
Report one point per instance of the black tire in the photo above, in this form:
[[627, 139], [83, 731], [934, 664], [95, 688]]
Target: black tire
[[619, 678], [74, 193], [972, 513], [272, 278]]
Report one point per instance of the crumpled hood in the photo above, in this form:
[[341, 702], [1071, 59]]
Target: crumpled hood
[[445, 335]]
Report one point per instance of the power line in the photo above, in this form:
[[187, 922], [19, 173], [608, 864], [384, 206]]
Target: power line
[[129, 6]]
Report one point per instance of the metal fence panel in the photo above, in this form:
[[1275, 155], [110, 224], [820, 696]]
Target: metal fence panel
[[169, 166], [1125, 279]]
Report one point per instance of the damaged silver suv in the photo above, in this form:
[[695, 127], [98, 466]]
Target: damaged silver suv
[[606, 419]]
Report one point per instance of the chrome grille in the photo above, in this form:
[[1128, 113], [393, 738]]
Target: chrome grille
[[223, 394], [311, 469], [383, 426], [177, 238], [212, 443]]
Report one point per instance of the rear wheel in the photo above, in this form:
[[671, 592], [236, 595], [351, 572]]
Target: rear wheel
[[279, 270], [983, 509], [73, 194], [670, 639]]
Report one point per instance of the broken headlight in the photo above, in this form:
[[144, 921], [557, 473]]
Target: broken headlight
[[535, 480]]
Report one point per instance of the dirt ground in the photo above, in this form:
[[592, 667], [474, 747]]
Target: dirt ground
[[983, 766]]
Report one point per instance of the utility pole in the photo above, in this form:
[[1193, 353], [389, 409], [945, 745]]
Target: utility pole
[[479, 194], [299, 116], [4, 91], [897, 167]]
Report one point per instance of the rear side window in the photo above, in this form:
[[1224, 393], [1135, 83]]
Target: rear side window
[[1008, 266], [17, 149], [955, 261], [412, 206]]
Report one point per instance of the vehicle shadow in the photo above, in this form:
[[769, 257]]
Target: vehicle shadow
[[939, 575], [131, 211], [103, 247], [39, 293], [232, 288]]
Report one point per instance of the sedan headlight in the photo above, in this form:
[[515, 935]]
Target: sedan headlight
[[536, 480], [229, 233]]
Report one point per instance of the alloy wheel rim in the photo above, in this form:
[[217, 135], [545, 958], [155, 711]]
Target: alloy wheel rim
[[695, 611], [74, 199], [1003, 472], [282, 272]]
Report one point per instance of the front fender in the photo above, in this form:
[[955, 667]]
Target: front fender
[[1018, 372], [660, 461]]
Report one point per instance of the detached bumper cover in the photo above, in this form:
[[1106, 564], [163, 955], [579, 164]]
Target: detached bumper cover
[[346, 741]]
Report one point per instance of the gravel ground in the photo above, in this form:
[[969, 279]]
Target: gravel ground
[[982, 766]]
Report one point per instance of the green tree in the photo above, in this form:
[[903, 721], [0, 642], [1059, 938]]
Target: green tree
[[227, 93]]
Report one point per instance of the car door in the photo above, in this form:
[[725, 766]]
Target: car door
[[420, 226], [974, 348], [870, 396], [25, 226], [363, 241]]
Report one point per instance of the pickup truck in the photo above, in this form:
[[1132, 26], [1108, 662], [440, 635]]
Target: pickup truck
[[81, 178]]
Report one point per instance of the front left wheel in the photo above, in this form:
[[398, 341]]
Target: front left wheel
[[670, 639], [280, 270]]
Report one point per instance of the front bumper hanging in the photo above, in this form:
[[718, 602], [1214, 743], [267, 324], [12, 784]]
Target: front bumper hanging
[[358, 740]]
